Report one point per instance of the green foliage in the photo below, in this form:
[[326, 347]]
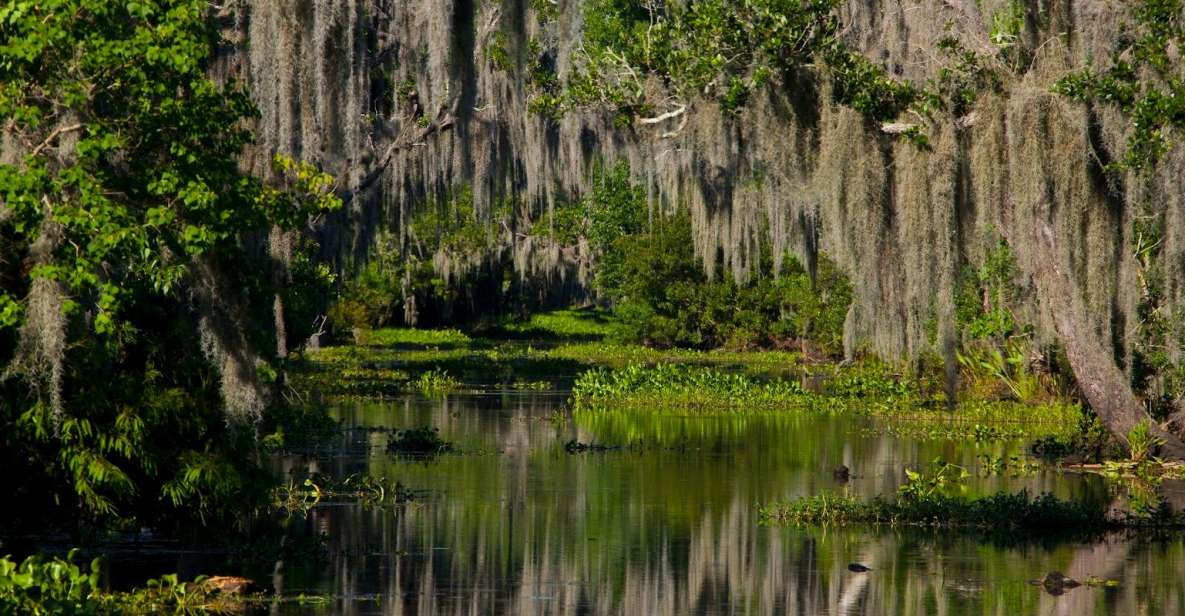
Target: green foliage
[[57, 586], [577, 324], [41, 587], [1157, 375], [409, 337], [1143, 80], [1141, 442], [663, 298], [372, 295], [543, 84], [1090, 439], [994, 343], [962, 77], [1007, 25], [719, 49], [497, 53], [998, 513], [678, 385], [649, 272], [941, 479], [725, 51], [545, 9], [986, 296], [436, 382], [129, 204]]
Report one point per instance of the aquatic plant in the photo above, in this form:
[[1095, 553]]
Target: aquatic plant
[[407, 337], [299, 497], [40, 586], [674, 385], [1015, 513], [1141, 442], [435, 382], [575, 324], [941, 478]]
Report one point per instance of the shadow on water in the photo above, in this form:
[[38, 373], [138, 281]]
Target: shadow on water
[[664, 522], [509, 522]]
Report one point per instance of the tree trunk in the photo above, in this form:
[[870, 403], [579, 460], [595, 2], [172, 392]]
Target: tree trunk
[[280, 250], [1100, 379]]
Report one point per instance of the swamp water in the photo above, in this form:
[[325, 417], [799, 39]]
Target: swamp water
[[514, 523]]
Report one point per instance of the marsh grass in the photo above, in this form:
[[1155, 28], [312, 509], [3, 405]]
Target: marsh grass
[[1003, 513], [607, 375], [436, 382], [898, 410], [410, 338], [587, 324]]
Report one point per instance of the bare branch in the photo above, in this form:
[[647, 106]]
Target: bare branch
[[658, 119], [57, 132]]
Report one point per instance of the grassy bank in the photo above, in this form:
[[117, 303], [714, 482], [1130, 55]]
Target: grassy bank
[[573, 348]]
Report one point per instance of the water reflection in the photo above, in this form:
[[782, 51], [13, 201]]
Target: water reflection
[[667, 524]]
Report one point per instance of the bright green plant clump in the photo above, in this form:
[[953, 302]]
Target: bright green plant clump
[[1141, 442], [412, 338], [1000, 513], [49, 587]]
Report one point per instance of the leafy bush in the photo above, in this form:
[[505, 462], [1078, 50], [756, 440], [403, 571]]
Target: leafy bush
[[662, 297]]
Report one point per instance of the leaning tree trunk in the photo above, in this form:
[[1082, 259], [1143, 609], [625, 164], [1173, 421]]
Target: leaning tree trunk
[[280, 251], [1102, 382]]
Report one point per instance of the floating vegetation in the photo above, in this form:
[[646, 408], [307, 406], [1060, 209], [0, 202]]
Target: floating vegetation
[[1014, 465], [406, 337], [300, 497], [937, 498], [1000, 512], [678, 386], [39, 585], [522, 385], [436, 382], [700, 388], [418, 442], [622, 355], [577, 324], [575, 446]]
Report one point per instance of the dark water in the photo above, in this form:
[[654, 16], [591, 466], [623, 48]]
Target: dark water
[[516, 525]]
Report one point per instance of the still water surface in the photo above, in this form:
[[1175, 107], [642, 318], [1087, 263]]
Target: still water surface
[[664, 525], [668, 525]]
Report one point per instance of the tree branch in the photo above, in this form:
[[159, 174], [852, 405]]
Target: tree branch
[[664, 117], [57, 132], [444, 120]]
